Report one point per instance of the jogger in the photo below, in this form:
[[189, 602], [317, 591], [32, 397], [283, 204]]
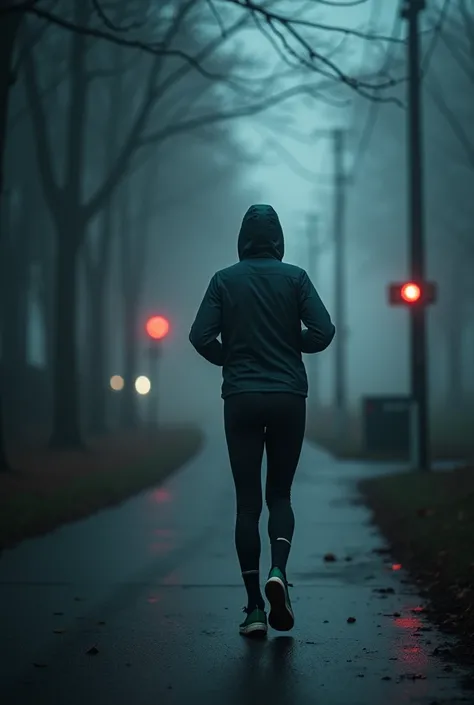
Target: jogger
[[254, 422], [257, 307]]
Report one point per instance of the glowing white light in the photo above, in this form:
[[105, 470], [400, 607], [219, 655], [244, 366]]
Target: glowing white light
[[142, 384]]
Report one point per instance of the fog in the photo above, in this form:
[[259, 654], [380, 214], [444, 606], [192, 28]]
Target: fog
[[174, 213]]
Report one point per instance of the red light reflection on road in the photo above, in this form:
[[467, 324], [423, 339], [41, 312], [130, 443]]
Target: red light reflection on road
[[411, 654], [161, 496], [161, 548], [408, 622], [165, 542], [397, 566], [164, 533], [172, 578]]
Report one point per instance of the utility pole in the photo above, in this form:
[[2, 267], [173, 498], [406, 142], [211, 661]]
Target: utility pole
[[411, 10], [340, 377], [312, 236], [313, 244]]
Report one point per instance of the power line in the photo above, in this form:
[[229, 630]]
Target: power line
[[436, 93], [425, 63], [374, 108], [457, 56]]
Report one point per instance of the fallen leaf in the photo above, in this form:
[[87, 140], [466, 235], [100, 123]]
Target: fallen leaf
[[59, 631], [386, 678], [384, 550], [330, 558], [424, 512], [93, 651], [351, 620], [384, 591], [58, 614], [413, 676]]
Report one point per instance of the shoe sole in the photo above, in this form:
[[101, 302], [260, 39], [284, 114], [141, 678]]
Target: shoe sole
[[258, 629], [281, 617]]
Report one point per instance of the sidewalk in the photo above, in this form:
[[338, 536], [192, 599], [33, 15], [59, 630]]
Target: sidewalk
[[153, 587]]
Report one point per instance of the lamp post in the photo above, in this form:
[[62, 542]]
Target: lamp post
[[157, 328]]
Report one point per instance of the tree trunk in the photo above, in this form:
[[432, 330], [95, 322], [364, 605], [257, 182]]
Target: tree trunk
[[66, 414], [8, 33], [129, 409], [45, 297], [16, 263], [97, 382]]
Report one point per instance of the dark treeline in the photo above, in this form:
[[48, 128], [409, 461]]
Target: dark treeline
[[96, 103], [93, 152]]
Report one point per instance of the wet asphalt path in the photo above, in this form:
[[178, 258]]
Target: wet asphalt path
[[140, 604]]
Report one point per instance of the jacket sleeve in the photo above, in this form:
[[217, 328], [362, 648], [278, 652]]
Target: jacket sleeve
[[319, 330], [207, 325]]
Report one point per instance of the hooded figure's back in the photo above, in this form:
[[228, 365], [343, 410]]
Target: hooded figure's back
[[257, 307]]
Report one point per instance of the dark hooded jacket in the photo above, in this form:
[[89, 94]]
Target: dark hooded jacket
[[257, 307]]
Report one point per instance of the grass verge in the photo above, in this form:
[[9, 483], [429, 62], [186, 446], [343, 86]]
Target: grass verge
[[49, 489], [428, 518], [451, 437]]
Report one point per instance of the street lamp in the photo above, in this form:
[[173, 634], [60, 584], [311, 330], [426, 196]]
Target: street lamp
[[157, 328]]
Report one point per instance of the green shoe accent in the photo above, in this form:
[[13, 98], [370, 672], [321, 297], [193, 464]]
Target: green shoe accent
[[255, 623], [281, 615]]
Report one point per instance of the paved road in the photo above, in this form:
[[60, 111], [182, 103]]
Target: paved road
[[153, 588]]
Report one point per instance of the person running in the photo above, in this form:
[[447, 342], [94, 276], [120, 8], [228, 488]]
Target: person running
[[257, 307]]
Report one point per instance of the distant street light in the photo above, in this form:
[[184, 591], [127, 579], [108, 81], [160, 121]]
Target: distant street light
[[157, 327], [142, 385], [117, 383]]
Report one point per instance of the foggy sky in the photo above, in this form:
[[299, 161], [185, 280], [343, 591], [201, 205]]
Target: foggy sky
[[200, 236]]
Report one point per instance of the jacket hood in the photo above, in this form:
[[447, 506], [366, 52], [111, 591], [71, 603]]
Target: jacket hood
[[261, 234]]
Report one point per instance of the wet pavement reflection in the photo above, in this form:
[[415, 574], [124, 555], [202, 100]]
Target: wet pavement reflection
[[141, 604]]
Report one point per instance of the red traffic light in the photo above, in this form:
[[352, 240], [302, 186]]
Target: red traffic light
[[157, 327], [409, 293]]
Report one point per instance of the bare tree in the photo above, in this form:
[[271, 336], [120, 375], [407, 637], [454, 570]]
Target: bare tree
[[8, 32], [71, 211]]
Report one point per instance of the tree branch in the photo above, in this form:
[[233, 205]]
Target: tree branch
[[108, 22], [288, 22], [52, 189], [245, 111]]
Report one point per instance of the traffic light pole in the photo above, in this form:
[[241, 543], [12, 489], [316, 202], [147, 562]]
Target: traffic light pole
[[154, 352], [418, 347]]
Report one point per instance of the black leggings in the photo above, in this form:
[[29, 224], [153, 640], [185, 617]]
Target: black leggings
[[276, 422]]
